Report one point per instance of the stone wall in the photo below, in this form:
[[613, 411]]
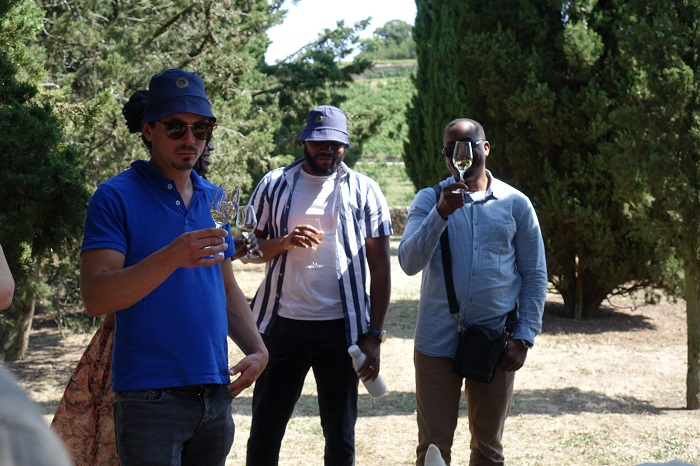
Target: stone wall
[[398, 219]]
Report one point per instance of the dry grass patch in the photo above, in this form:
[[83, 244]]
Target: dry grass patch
[[603, 391]]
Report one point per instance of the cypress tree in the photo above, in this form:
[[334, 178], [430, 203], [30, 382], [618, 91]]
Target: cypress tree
[[660, 132], [542, 79]]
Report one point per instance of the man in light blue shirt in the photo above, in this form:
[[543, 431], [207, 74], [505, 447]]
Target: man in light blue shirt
[[498, 262]]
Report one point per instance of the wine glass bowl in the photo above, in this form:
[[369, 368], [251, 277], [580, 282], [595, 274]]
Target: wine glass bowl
[[223, 208], [462, 157], [247, 222], [314, 264]]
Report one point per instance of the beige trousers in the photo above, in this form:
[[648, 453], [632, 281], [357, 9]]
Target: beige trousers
[[438, 391]]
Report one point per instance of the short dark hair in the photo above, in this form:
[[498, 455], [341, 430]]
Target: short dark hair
[[479, 129]]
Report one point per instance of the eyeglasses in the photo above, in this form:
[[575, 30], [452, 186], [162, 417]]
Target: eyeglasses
[[176, 129], [450, 148], [333, 146]]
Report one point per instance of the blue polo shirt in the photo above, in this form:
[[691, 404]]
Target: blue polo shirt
[[175, 336]]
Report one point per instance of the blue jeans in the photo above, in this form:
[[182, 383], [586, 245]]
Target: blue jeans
[[295, 346], [179, 426]]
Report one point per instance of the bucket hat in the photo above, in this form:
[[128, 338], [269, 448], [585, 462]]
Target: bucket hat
[[326, 123], [176, 91]]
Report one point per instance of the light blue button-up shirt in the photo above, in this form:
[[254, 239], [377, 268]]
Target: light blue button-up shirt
[[498, 259]]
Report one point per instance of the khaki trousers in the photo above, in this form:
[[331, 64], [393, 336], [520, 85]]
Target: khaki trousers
[[438, 391]]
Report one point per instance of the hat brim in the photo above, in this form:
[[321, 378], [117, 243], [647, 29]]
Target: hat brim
[[325, 134], [181, 104]]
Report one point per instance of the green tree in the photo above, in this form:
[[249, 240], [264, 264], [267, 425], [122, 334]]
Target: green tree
[[101, 52], [314, 75], [385, 93], [393, 41], [43, 196], [91, 56], [661, 124], [543, 79]]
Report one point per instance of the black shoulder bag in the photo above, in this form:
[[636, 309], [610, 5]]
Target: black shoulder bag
[[479, 349]]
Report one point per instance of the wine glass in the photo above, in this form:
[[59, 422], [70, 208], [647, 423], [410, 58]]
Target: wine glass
[[462, 157], [223, 208], [246, 223], [316, 223]]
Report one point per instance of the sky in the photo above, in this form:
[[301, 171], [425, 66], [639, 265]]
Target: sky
[[308, 18]]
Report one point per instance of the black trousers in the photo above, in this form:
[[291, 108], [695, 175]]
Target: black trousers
[[295, 346]]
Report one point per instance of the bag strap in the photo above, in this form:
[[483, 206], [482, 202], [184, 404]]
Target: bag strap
[[513, 317], [447, 265]]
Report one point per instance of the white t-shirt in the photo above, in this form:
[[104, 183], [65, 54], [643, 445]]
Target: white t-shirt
[[312, 293]]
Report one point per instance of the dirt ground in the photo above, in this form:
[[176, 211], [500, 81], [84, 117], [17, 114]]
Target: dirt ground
[[602, 391]]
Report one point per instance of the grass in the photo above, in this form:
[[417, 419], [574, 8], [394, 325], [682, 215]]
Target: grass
[[392, 178], [574, 403], [607, 391]]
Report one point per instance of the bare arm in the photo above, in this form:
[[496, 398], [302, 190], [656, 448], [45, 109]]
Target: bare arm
[[7, 283], [379, 263], [107, 286], [244, 332]]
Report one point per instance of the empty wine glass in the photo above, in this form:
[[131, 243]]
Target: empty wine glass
[[316, 223], [462, 157], [247, 222], [223, 208]]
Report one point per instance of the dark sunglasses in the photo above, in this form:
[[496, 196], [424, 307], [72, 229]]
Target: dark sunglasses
[[332, 146], [176, 129], [450, 148]]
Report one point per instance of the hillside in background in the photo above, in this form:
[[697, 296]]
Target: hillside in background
[[386, 89]]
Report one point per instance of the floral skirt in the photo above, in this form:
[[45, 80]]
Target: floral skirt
[[85, 416]]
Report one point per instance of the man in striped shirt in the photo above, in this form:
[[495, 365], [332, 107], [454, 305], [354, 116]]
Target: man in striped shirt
[[319, 223]]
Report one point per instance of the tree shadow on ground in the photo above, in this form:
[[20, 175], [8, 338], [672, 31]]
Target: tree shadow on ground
[[394, 403], [401, 320], [571, 400], [551, 402], [36, 363], [608, 319]]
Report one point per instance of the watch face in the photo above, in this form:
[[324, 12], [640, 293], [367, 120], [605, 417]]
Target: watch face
[[381, 335]]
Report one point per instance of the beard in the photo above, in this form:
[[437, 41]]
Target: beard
[[185, 164], [317, 170]]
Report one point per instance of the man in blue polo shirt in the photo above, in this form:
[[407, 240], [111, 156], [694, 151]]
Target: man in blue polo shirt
[[149, 255]]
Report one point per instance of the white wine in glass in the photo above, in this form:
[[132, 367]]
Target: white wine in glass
[[314, 264], [462, 157], [247, 223]]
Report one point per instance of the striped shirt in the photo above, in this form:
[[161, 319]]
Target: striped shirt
[[498, 259], [361, 212]]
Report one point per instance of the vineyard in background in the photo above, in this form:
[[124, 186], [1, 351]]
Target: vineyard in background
[[388, 85]]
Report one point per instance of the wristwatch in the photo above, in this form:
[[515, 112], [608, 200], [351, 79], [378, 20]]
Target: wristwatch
[[526, 344], [379, 334]]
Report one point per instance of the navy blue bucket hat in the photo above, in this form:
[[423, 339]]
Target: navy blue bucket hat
[[176, 91], [326, 123]]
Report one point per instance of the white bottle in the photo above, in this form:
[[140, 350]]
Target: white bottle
[[375, 387]]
